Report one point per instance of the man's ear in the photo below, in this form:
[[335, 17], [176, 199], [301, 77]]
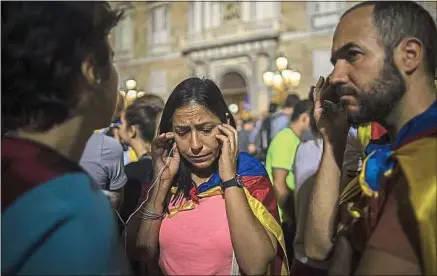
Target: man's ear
[[303, 117], [89, 72], [408, 55]]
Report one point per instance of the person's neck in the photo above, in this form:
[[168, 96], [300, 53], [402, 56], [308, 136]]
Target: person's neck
[[200, 177], [296, 129], [140, 147], [68, 139], [416, 100]]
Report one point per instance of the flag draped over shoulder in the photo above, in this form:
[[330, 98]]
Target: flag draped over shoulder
[[417, 157], [418, 161], [414, 150], [260, 196]]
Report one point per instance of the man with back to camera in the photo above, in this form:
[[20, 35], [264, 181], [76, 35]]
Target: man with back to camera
[[103, 159], [279, 164], [59, 85], [384, 57]]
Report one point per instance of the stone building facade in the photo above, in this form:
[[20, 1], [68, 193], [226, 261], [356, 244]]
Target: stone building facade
[[161, 43]]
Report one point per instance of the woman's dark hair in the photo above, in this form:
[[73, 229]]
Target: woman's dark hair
[[199, 91], [43, 47], [143, 115]]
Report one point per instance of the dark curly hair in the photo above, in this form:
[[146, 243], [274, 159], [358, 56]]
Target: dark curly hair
[[43, 47]]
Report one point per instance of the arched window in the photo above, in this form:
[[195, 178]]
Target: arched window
[[234, 88]]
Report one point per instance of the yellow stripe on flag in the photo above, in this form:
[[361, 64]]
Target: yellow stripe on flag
[[269, 223]]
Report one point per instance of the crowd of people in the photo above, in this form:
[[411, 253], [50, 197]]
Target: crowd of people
[[340, 183]]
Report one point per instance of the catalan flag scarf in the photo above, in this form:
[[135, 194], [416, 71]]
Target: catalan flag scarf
[[260, 196], [414, 150]]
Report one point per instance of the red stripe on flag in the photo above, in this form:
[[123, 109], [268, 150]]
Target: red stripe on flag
[[377, 131], [261, 189]]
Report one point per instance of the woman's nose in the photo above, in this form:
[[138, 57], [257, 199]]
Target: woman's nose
[[196, 145]]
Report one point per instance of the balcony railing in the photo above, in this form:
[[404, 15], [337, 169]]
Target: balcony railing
[[227, 32]]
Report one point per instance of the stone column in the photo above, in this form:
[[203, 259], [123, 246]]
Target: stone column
[[253, 85], [265, 94]]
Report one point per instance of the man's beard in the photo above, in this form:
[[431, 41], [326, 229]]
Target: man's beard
[[375, 104]]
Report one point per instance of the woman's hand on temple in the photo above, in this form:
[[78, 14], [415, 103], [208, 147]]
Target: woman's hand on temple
[[228, 159], [165, 166]]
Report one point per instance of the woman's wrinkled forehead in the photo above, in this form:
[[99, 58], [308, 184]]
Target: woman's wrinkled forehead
[[193, 114]]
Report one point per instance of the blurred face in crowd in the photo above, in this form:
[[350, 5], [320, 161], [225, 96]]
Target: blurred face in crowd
[[195, 129], [248, 125], [304, 121], [125, 132], [365, 78]]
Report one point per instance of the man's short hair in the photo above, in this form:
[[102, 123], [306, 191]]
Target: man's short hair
[[291, 100], [396, 20], [43, 47], [300, 108]]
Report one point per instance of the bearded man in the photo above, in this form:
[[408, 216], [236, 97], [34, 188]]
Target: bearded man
[[384, 221]]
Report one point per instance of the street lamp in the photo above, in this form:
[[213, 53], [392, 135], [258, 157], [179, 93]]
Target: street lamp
[[283, 78], [132, 94]]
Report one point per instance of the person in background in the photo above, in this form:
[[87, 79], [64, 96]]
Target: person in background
[[306, 163], [102, 158], [129, 152], [279, 164], [138, 128], [113, 129], [263, 133], [213, 211], [275, 122], [384, 56], [281, 118], [245, 143], [113, 132], [58, 85]]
